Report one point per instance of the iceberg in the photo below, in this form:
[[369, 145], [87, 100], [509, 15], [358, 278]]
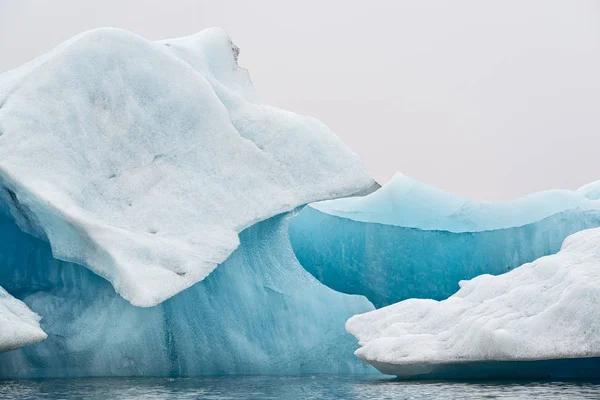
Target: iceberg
[[20, 325], [410, 240], [539, 320], [143, 161], [130, 170]]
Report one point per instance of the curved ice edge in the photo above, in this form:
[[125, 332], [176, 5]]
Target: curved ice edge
[[29, 224], [417, 229], [316, 206], [558, 368], [359, 208]]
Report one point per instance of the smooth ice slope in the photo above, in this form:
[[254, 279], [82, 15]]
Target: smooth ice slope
[[545, 310], [259, 312], [19, 326], [143, 161], [408, 203], [410, 240]]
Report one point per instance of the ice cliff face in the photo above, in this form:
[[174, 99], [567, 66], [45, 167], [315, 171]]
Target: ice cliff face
[[143, 161], [19, 325], [128, 170], [259, 312], [409, 240], [538, 320]]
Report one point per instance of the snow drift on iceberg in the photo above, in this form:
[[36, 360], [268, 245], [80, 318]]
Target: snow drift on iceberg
[[538, 320], [410, 240], [143, 161], [20, 326]]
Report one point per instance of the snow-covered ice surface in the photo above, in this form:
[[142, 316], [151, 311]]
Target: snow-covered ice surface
[[143, 161], [544, 310], [19, 326], [410, 240]]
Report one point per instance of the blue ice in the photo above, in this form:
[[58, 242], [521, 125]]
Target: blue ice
[[259, 312], [410, 240]]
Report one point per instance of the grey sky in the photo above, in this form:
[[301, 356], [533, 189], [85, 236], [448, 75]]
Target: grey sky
[[487, 99]]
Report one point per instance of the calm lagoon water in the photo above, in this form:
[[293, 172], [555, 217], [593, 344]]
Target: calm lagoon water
[[297, 387]]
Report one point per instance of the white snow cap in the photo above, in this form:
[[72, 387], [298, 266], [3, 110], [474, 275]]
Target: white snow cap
[[143, 161], [19, 326], [547, 309], [404, 201]]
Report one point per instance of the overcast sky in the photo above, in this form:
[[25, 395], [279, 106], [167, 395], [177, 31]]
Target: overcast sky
[[486, 99]]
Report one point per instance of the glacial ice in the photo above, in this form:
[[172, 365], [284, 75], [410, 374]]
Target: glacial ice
[[259, 312], [128, 171], [19, 325], [143, 161], [538, 320], [410, 240]]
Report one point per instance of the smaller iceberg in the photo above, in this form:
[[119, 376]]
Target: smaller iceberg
[[539, 320], [259, 312], [19, 326], [411, 240]]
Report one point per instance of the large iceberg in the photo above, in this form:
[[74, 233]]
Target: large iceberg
[[19, 325], [537, 321], [146, 162], [143, 161], [410, 240]]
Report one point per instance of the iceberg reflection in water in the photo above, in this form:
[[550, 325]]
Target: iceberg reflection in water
[[346, 387]]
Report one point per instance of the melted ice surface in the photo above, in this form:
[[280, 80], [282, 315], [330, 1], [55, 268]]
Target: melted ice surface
[[406, 202], [143, 161]]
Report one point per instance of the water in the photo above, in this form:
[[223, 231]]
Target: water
[[292, 387]]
